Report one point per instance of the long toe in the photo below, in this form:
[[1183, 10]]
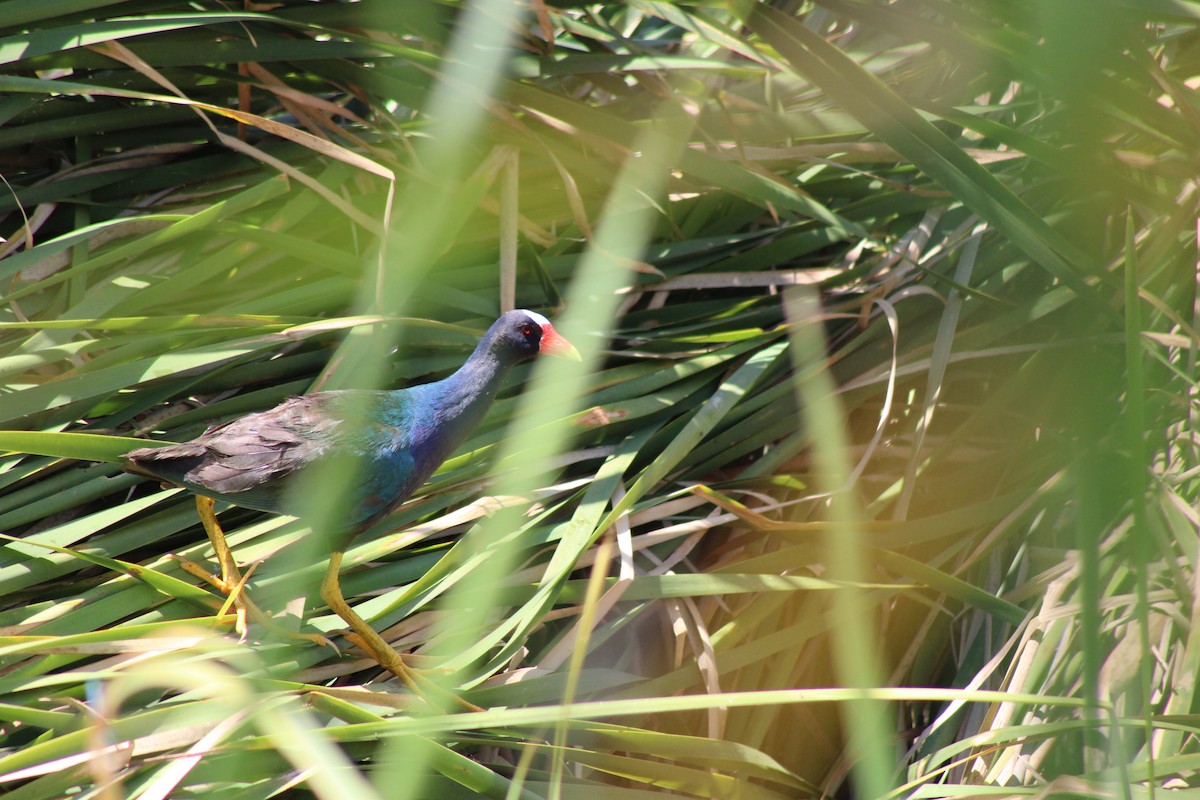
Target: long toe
[[419, 681]]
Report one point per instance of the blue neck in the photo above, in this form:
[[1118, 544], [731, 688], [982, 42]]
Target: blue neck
[[449, 410], [466, 395]]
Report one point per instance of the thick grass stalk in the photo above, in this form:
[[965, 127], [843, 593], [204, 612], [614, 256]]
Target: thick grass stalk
[[855, 635]]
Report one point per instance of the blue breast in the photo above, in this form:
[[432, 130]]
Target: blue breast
[[404, 440]]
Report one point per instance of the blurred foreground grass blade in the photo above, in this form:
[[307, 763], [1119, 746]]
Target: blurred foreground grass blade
[[854, 630], [621, 235]]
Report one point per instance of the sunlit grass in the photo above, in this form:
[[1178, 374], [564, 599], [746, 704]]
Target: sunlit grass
[[928, 532]]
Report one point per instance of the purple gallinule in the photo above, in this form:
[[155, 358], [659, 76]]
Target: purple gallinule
[[398, 438]]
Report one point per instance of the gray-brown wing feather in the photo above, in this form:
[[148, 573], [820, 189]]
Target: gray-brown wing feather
[[248, 452]]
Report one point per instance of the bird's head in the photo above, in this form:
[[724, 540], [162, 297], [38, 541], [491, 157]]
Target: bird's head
[[521, 334]]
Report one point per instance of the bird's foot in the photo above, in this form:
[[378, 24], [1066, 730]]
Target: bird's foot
[[280, 632], [246, 609], [235, 593], [319, 639], [417, 680]]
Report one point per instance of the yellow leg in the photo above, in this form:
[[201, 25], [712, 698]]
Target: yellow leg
[[208, 518], [364, 636], [231, 576], [232, 582]]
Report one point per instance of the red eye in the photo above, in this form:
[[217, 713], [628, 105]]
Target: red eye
[[526, 329]]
